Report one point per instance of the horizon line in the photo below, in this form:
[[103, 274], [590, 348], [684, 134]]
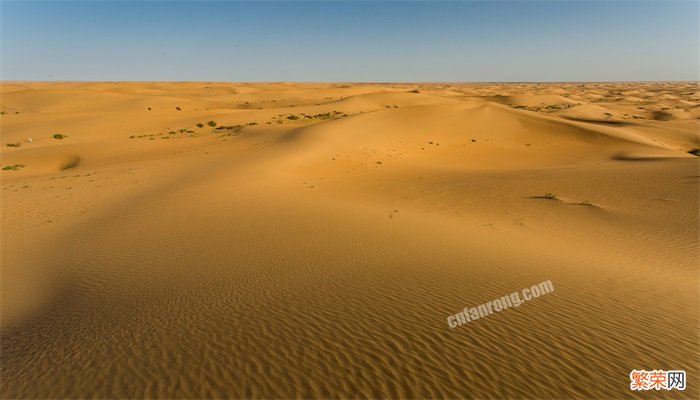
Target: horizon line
[[340, 82]]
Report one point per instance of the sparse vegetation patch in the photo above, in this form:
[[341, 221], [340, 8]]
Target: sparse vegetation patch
[[302, 117], [229, 128], [548, 108]]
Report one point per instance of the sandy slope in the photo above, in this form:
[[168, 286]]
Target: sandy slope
[[319, 256]]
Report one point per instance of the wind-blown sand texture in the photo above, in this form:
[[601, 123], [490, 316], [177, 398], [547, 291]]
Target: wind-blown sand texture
[[314, 242]]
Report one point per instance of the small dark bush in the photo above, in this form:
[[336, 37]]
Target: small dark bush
[[211, 123], [59, 136]]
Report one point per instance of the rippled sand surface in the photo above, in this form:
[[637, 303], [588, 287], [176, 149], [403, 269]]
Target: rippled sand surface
[[313, 239]]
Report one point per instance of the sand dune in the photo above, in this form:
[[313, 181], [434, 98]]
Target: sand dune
[[533, 100], [313, 241]]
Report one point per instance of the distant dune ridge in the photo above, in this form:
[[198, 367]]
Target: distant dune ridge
[[311, 240]]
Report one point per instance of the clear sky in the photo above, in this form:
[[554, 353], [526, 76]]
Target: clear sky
[[385, 41]]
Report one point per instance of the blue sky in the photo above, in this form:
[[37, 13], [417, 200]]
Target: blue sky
[[386, 41]]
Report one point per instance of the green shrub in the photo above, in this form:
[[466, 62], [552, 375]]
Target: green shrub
[[232, 127], [13, 167], [14, 144], [200, 125], [211, 123], [550, 196], [695, 152]]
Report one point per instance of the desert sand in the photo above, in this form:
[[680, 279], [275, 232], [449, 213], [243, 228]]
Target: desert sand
[[312, 239]]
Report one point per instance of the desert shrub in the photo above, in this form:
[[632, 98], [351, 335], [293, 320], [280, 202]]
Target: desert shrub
[[59, 136], [178, 108], [13, 167], [200, 125], [695, 152], [211, 123], [550, 196], [14, 144], [230, 128]]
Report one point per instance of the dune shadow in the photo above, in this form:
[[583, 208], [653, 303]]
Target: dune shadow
[[70, 162], [641, 158], [586, 204], [597, 121], [543, 198]]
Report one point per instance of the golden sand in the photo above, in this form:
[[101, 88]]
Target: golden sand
[[316, 244]]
